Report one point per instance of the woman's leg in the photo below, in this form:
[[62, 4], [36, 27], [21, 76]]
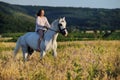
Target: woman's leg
[[41, 32]]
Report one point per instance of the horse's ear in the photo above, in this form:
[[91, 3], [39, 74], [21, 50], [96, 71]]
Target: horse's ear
[[63, 18]]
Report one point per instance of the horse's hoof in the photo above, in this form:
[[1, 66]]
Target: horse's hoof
[[38, 50]]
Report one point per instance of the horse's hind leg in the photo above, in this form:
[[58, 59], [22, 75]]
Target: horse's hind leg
[[25, 53], [30, 51], [25, 56]]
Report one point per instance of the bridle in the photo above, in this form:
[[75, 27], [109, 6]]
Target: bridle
[[60, 30]]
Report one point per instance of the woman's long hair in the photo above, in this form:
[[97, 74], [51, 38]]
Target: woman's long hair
[[39, 12]]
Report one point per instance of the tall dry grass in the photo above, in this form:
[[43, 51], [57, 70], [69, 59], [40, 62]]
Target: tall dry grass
[[80, 60]]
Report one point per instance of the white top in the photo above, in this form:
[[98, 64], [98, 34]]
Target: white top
[[41, 22]]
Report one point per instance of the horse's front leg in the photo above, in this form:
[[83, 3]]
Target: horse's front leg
[[54, 53], [42, 54], [55, 49]]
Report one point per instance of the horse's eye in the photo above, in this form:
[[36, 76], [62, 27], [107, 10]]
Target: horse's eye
[[59, 24]]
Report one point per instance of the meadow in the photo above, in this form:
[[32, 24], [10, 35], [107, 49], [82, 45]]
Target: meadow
[[90, 52], [76, 60]]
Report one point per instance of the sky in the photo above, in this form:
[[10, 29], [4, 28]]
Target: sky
[[69, 3]]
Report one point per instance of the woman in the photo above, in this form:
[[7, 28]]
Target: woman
[[41, 25]]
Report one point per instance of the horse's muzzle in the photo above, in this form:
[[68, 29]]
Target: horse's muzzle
[[64, 32]]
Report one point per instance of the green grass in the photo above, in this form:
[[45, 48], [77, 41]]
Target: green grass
[[74, 36]]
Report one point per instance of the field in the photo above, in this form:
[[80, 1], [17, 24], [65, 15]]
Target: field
[[76, 60]]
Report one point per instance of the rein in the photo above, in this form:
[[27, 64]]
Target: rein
[[53, 30]]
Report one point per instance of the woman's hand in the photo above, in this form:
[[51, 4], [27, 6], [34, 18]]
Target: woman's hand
[[46, 27]]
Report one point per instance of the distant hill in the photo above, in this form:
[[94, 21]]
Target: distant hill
[[17, 18]]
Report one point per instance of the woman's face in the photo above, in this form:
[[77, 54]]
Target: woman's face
[[42, 13]]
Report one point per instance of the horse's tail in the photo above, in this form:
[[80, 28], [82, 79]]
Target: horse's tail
[[17, 47]]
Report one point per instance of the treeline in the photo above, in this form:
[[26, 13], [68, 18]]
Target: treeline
[[73, 36], [16, 18]]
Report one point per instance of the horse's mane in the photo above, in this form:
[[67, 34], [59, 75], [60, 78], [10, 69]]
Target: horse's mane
[[54, 22]]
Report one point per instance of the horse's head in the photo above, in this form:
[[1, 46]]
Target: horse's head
[[62, 26], [59, 25]]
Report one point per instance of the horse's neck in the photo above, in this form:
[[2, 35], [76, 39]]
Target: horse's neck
[[50, 35]]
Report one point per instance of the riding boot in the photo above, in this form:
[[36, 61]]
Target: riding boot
[[38, 48]]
